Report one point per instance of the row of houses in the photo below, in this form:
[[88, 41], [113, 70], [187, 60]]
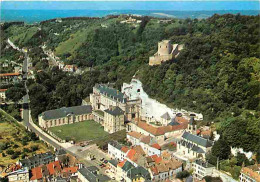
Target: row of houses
[[51, 167]]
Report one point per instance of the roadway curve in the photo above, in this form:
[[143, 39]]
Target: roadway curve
[[28, 123]]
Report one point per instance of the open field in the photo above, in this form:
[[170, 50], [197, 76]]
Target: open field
[[16, 142], [86, 130]]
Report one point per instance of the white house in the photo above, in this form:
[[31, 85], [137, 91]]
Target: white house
[[202, 169], [117, 151], [19, 175]]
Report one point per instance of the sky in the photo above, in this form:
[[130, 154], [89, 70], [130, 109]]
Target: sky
[[134, 4]]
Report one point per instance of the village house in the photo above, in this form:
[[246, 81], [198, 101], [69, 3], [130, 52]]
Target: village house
[[2, 95], [113, 119], [70, 68], [163, 167], [192, 146], [250, 173], [117, 151], [136, 156], [36, 160], [46, 172], [122, 168], [104, 96], [148, 144], [138, 174], [91, 174], [65, 115], [6, 78], [131, 20], [21, 175], [112, 164], [60, 64], [201, 169], [166, 51]]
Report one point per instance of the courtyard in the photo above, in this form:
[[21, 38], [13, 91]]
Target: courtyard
[[81, 131]]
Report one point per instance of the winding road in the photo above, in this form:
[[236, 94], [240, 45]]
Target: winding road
[[30, 125]]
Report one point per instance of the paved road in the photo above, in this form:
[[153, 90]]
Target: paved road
[[28, 123], [51, 58]]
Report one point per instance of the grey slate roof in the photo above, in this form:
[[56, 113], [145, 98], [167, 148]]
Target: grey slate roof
[[115, 144], [128, 165], [115, 111], [64, 111], [203, 163], [166, 116], [173, 122], [37, 159], [138, 172], [192, 146], [92, 175], [113, 162], [111, 92], [61, 152], [197, 139]]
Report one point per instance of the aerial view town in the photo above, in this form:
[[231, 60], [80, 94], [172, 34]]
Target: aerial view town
[[136, 91]]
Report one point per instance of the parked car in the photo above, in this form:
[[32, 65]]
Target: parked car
[[102, 159], [105, 161]]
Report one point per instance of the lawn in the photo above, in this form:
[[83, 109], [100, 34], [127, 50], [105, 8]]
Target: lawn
[[86, 130]]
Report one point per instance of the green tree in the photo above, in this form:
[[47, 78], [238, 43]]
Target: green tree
[[221, 149]]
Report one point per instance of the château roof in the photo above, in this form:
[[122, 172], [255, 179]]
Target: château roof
[[64, 111], [111, 92], [197, 139], [115, 111]]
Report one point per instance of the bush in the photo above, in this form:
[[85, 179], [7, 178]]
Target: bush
[[10, 152], [3, 154], [16, 146], [34, 148]]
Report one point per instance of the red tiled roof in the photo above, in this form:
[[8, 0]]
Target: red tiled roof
[[154, 170], [122, 163], [131, 154], [157, 146], [9, 74], [156, 131], [124, 149], [54, 167], [205, 132], [3, 90], [70, 169], [146, 139], [36, 173], [156, 158], [150, 129], [251, 171], [135, 134]]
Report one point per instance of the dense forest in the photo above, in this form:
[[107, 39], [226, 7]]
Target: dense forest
[[217, 73]]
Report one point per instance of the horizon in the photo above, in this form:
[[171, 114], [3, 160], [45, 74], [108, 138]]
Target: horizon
[[132, 5]]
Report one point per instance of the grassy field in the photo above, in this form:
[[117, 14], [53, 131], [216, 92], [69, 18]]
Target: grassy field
[[86, 130], [15, 142], [21, 35]]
